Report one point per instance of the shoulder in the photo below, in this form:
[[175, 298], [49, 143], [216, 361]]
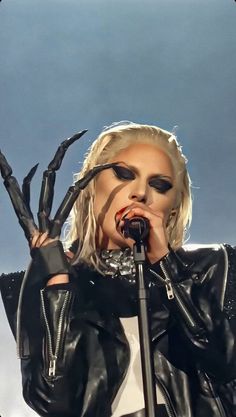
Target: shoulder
[[11, 282], [10, 285], [204, 255], [196, 249], [209, 254], [217, 261]]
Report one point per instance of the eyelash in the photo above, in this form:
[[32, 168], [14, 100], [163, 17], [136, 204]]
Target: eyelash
[[125, 174], [162, 186]]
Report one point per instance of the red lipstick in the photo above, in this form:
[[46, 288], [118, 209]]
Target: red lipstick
[[119, 213]]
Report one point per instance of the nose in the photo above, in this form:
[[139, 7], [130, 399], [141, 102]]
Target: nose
[[139, 192]]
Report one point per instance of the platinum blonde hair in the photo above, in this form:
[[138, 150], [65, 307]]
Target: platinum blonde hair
[[109, 143]]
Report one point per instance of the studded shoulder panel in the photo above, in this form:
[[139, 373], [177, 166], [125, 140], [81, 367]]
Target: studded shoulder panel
[[230, 294]]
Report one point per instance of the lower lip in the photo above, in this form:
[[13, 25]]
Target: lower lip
[[119, 213]]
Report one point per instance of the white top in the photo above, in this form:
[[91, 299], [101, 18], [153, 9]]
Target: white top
[[130, 395]]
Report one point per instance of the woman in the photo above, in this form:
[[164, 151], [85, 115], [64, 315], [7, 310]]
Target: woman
[[77, 313]]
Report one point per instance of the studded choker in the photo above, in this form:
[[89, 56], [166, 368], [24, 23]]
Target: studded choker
[[117, 262]]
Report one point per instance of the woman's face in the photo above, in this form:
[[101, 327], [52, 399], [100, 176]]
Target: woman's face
[[145, 178]]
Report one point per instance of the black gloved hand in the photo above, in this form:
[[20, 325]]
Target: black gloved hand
[[49, 228]]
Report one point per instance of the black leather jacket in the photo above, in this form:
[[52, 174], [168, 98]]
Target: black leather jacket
[[74, 353]]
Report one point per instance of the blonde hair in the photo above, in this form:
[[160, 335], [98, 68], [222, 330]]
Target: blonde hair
[[110, 142]]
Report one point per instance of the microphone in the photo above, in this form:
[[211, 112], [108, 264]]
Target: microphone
[[137, 228]]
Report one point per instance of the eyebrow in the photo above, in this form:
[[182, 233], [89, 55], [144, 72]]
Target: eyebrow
[[161, 176]]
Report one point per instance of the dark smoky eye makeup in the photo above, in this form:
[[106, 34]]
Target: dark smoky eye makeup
[[161, 185], [123, 173]]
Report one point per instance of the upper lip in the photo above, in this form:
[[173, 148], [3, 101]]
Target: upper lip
[[121, 211]]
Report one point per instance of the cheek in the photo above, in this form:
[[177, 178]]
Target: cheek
[[103, 201], [99, 195], [96, 207], [165, 202]]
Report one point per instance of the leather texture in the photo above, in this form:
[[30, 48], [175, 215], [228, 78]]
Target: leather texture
[[160, 412], [192, 336]]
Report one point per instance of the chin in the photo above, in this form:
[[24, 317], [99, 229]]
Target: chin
[[120, 243], [114, 241]]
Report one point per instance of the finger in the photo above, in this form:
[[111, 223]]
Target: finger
[[26, 185], [139, 211], [49, 177], [40, 239], [83, 182], [60, 153], [5, 168], [155, 221], [21, 209], [34, 239], [133, 212], [43, 240], [124, 214], [70, 198]]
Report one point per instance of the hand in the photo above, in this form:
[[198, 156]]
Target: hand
[[157, 242], [48, 230], [21, 198]]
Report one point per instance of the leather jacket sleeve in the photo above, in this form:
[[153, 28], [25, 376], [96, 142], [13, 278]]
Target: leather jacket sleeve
[[54, 335], [206, 327], [49, 384]]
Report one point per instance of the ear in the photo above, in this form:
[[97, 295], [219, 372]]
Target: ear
[[171, 216]]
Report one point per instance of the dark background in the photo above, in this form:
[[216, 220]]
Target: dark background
[[72, 64]]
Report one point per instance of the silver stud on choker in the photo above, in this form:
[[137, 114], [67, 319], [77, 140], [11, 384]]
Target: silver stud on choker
[[118, 261]]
